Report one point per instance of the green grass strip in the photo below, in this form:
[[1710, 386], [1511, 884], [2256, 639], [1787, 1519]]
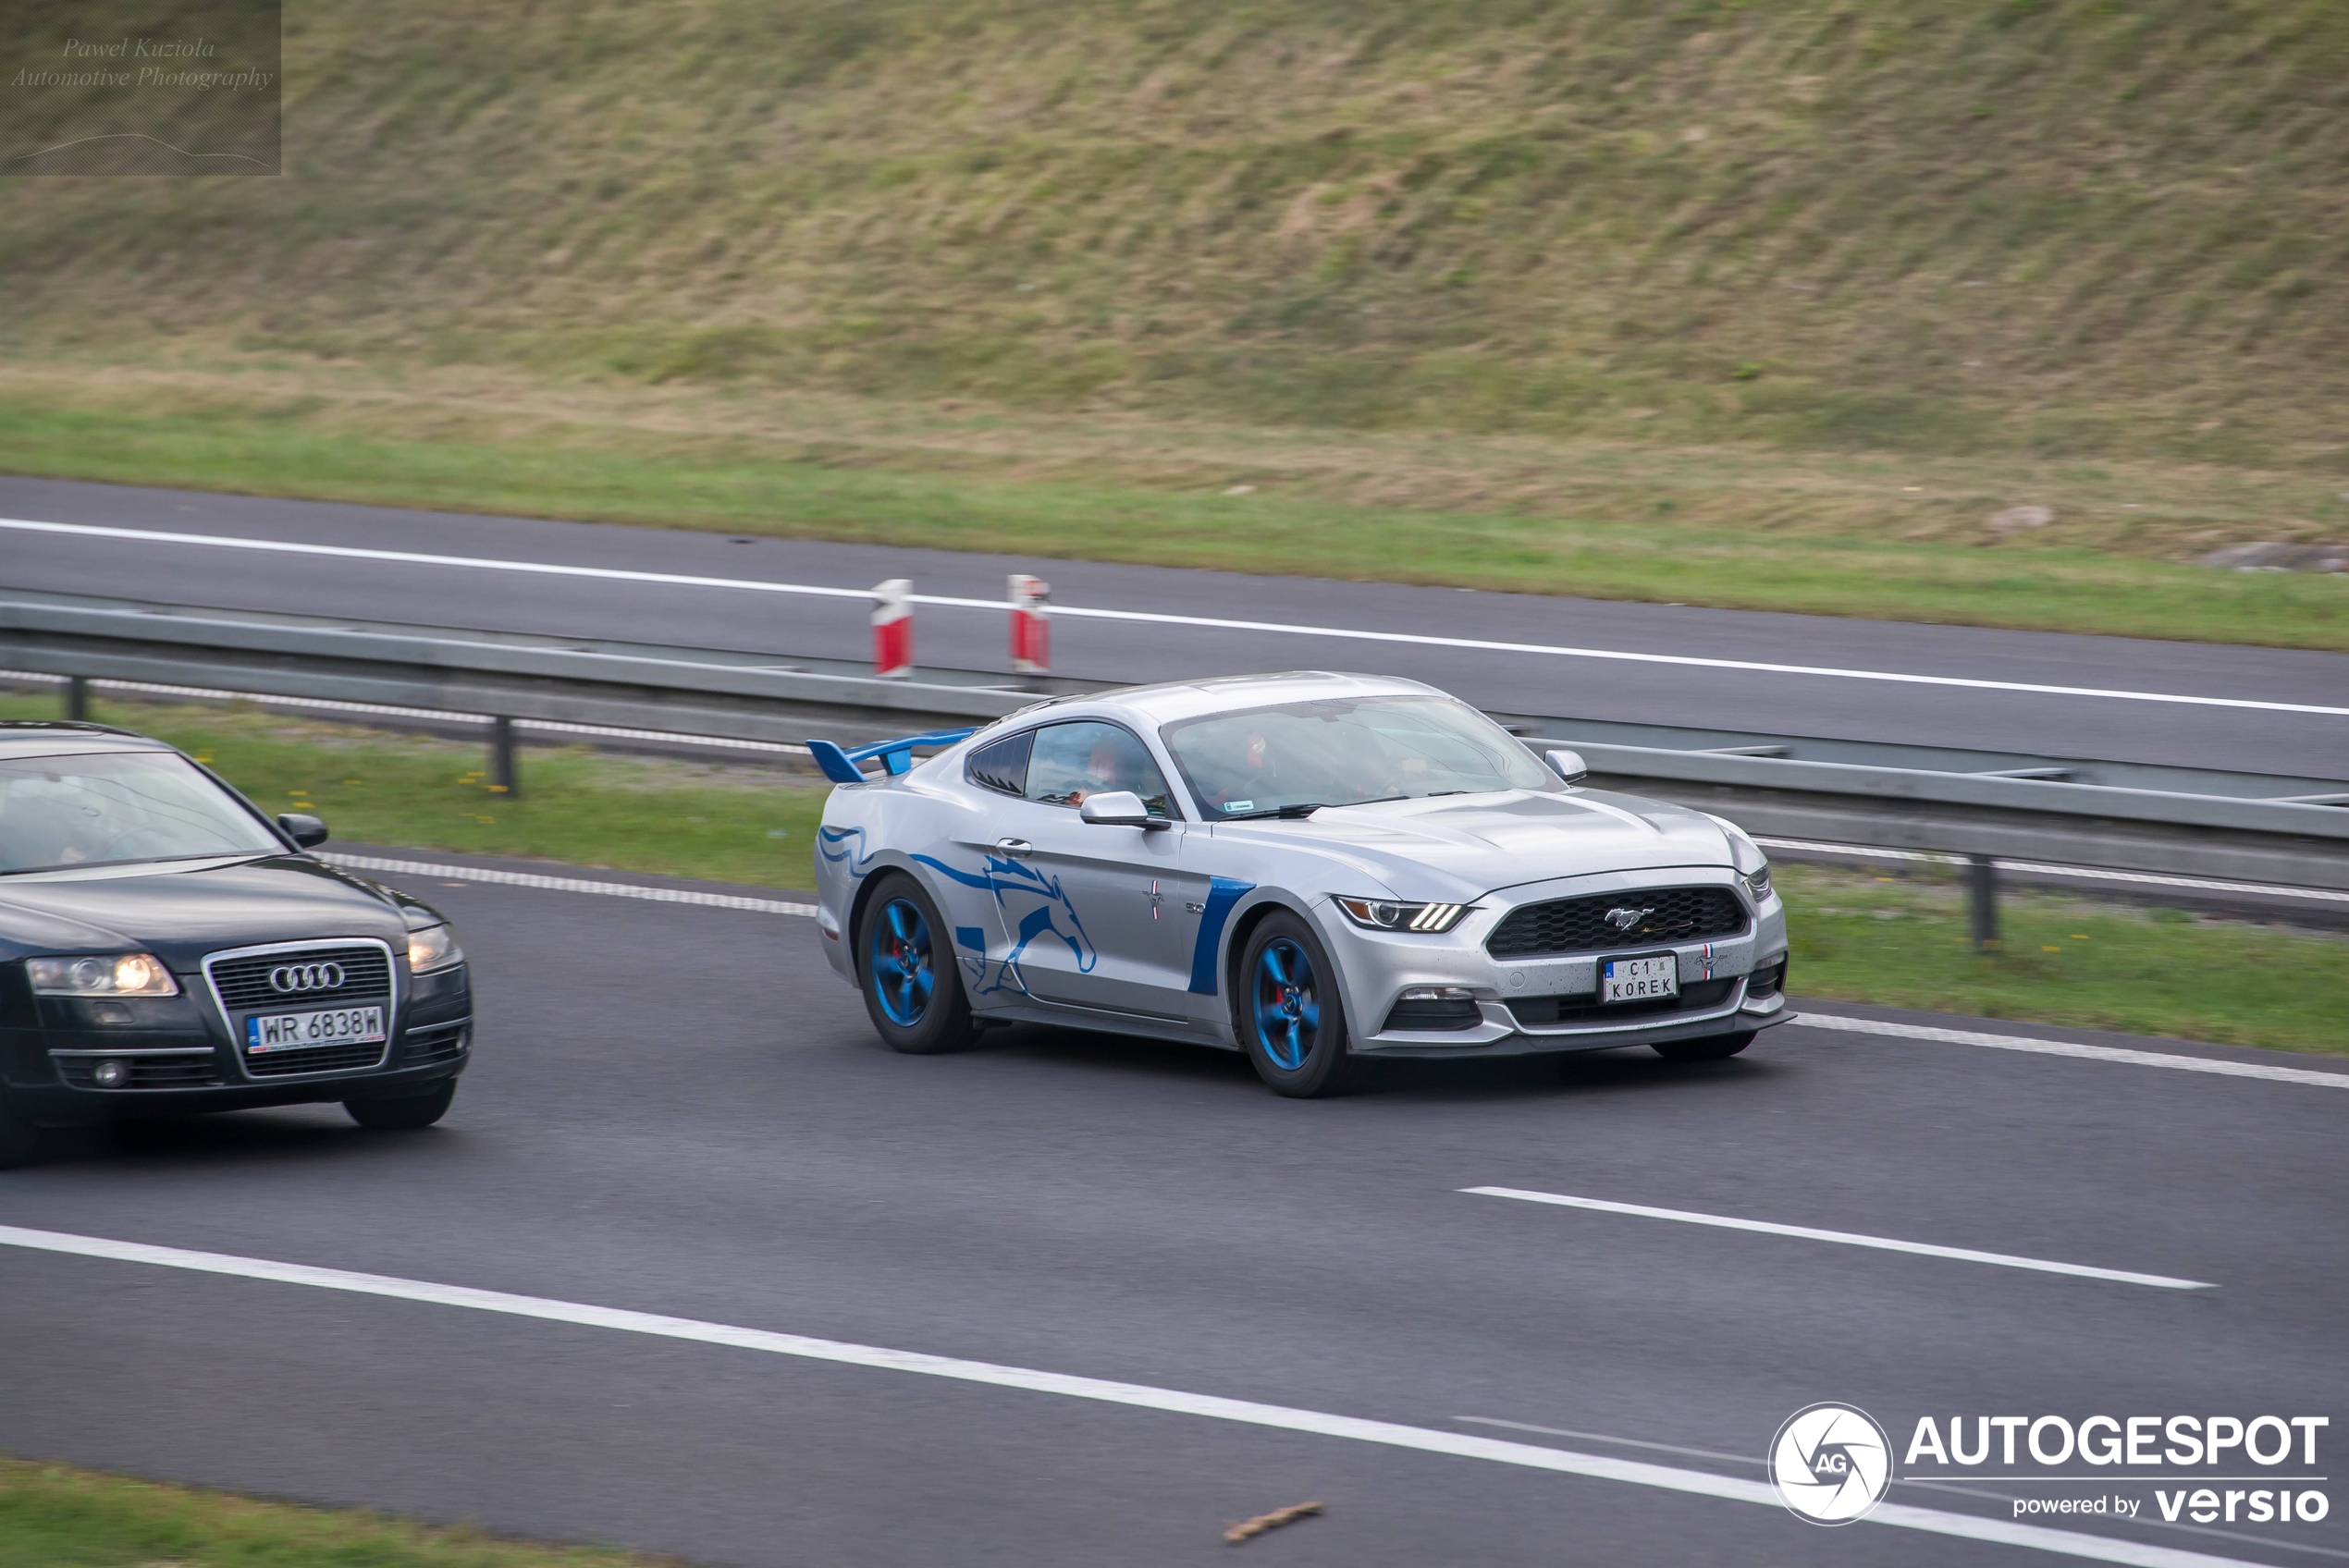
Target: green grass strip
[[55, 1516]]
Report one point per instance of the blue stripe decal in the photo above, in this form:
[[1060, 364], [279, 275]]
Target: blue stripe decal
[[971, 937], [1222, 894]]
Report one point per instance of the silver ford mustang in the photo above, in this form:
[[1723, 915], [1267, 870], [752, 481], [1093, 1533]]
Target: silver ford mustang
[[1312, 868]]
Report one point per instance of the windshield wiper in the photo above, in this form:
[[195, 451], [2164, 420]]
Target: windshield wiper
[[1306, 808]]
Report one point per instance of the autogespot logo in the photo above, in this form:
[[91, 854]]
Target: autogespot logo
[[1831, 1463], [293, 977]]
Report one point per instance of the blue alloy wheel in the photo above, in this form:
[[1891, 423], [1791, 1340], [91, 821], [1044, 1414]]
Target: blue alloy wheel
[[900, 962], [1288, 1008]]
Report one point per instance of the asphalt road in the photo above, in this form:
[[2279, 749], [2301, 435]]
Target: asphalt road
[[1819, 705], [678, 1109]]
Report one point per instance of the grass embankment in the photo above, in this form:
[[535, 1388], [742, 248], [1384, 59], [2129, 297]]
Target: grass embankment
[[54, 1516], [1897, 942], [722, 822], [1903, 942], [1753, 305]]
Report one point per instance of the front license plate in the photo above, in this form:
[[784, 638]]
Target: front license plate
[[302, 1031], [1638, 979]]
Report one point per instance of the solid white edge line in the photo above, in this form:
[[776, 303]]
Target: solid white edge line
[[567, 884], [1143, 1396], [1811, 1020], [548, 568], [2066, 1047], [1847, 1238]]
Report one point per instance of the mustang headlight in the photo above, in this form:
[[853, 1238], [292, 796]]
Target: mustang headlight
[[106, 974], [1752, 866], [1386, 914], [435, 947]]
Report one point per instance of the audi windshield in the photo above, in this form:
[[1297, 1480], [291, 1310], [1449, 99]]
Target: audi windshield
[[108, 808], [1347, 752]]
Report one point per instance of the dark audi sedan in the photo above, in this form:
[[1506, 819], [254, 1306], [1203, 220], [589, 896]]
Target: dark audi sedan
[[167, 947]]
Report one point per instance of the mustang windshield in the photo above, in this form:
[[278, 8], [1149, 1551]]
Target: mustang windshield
[[107, 807], [1345, 751]]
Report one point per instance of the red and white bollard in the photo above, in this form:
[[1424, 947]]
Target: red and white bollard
[[1031, 624], [893, 629]]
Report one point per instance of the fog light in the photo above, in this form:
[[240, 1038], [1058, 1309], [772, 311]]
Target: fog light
[[110, 1074], [1438, 994]]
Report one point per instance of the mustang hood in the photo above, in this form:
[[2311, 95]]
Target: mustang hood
[[180, 916], [1460, 849]]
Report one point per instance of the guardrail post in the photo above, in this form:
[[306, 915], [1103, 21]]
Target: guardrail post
[[77, 698], [504, 777], [1982, 882]]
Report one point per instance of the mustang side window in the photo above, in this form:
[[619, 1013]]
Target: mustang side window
[[1086, 757], [1002, 765]]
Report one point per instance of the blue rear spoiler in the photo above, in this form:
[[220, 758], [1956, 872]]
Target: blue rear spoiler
[[896, 756]]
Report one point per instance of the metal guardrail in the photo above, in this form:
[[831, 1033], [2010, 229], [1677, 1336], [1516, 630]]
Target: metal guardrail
[[2127, 816]]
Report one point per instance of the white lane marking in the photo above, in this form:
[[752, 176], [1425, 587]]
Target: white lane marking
[[2066, 1047], [1847, 1238], [1142, 1396], [567, 884], [2042, 868], [549, 569]]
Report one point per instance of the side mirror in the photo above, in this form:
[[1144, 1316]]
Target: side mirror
[[304, 828], [1568, 764], [1120, 808]]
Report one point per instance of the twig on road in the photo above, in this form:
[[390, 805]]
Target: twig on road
[[1246, 1528]]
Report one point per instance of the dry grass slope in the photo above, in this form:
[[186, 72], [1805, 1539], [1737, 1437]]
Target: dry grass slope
[[2029, 226]]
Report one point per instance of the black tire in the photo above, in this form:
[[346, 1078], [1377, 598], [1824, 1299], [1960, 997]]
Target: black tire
[[1291, 1021], [21, 1141], [911, 986], [404, 1114], [1712, 1047]]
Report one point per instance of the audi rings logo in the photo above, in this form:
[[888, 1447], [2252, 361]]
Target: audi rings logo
[[1831, 1463], [291, 978]]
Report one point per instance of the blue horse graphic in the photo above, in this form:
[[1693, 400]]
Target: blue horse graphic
[[845, 846], [1050, 917]]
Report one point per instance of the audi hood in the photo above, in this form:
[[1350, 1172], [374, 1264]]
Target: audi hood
[[1460, 849], [179, 914]]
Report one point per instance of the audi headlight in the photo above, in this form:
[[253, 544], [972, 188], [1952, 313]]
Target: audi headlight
[[102, 975], [1386, 914], [434, 946]]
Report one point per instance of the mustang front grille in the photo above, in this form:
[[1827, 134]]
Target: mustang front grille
[[245, 986], [1700, 997], [1603, 921]]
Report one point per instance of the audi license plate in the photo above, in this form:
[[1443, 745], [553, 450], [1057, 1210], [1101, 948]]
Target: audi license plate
[[1638, 979], [301, 1031]]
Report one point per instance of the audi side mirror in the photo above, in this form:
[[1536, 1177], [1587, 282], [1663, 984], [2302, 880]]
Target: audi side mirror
[[1568, 764], [303, 829], [1120, 808]]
